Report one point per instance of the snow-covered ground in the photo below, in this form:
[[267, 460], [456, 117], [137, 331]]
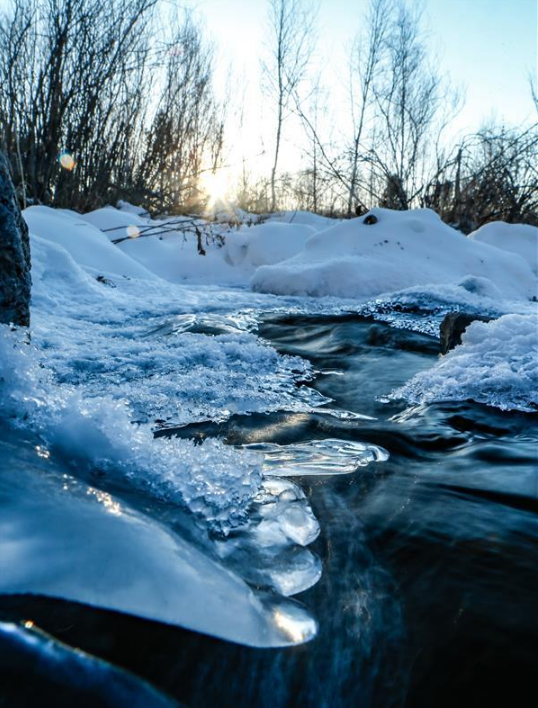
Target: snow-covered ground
[[92, 295], [132, 329]]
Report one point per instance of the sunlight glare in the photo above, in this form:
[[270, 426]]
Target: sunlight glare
[[216, 186]]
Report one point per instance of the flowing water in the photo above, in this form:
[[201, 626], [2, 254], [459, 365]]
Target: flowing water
[[428, 589]]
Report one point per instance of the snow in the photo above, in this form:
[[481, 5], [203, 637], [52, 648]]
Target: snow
[[496, 364], [306, 218], [265, 244], [402, 250], [87, 245], [168, 247], [515, 238], [114, 221], [214, 480]]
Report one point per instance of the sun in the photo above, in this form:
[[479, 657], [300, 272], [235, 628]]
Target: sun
[[216, 185]]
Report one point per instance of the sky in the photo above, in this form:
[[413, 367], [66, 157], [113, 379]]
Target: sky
[[487, 47]]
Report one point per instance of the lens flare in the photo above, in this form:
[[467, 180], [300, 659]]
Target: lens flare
[[133, 231], [67, 161]]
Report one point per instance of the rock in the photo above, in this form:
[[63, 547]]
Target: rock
[[15, 280], [453, 326]]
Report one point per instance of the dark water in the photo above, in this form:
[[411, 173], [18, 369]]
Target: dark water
[[429, 592]]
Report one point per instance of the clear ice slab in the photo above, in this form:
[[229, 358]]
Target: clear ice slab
[[317, 457]]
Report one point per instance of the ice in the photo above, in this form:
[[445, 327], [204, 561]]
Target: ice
[[298, 523], [269, 550], [61, 537], [317, 457], [214, 480], [288, 570], [496, 364], [294, 570], [284, 515], [293, 620]]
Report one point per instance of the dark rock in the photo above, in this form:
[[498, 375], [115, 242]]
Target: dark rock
[[105, 281], [15, 281], [453, 326]]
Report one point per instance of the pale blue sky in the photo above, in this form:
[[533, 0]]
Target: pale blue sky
[[487, 46]]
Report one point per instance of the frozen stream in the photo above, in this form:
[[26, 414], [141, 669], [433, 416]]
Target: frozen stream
[[399, 543]]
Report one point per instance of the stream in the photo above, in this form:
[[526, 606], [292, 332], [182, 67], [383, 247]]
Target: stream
[[428, 587]]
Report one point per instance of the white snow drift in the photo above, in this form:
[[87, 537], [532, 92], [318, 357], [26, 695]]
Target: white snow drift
[[354, 259], [515, 238]]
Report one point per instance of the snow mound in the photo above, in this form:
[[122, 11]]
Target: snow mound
[[516, 238], [114, 221], [306, 218], [387, 251], [266, 244], [122, 205], [496, 364], [168, 247], [87, 245]]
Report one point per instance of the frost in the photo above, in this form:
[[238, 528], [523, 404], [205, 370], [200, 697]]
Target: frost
[[496, 364], [214, 480]]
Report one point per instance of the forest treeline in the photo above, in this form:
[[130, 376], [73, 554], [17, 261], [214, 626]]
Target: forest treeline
[[102, 100]]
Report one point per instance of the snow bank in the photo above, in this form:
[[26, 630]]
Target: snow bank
[[265, 244], [87, 245], [496, 364], [516, 238], [305, 218], [400, 250], [169, 247], [175, 258]]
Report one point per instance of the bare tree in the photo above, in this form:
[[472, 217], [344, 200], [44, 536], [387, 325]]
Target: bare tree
[[185, 135], [70, 80], [291, 31], [366, 63], [492, 176], [408, 96]]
